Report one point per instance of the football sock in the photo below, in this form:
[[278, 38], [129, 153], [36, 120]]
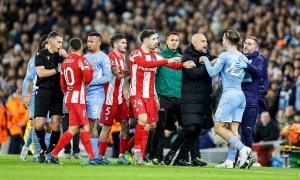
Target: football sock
[[41, 138], [86, 141], [231, 154], [236, 142], [123, 145], [63, 141], [95, 144], [130, 143], [29, 138], [55, 135], [102, 148]]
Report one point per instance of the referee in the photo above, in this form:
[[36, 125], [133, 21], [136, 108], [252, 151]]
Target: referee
[[49, 96]]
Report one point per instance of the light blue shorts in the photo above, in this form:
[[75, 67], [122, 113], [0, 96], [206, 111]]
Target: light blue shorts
[[94, 106], [231, 107]]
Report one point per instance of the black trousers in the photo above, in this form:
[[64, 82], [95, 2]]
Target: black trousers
[[187, 141], [170, 110], [65, 126]]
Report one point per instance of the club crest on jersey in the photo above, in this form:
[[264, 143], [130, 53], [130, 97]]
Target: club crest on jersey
[[106, 117], [134, 54], [86, 62], [136, 109]]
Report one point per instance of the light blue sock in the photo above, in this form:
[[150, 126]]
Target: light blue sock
[[29, 138], [236, 142], [36, 143], [231, 154], [95, 142], [47, 139]]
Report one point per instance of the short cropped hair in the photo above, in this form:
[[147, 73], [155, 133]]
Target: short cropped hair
[[98, 35], [233, 36], [254, 39], [147, 33], [116, 38], [54, 34], [75, 43], [172, 33]]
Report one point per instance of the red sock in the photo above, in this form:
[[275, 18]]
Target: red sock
[[123, 144], [130, 143], [144, 141], [139, 133], [63, 141], [102, 148], [86, 141]]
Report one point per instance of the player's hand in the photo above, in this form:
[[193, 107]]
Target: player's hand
[[25, 103], [201, 59], [62, 53], [213, 61], [189, 64], [174, 60], [126, 73], [157, 104], [91, 66], [241, 64]]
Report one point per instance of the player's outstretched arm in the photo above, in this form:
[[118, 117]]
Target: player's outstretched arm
[[213, 70], [256, 71]]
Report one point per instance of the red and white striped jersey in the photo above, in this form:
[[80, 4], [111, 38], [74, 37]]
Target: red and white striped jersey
[[75, 75], [142, 76], [114, 89]]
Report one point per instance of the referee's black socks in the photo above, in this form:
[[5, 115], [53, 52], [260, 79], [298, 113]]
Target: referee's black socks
[[41, 137], [55, 135]]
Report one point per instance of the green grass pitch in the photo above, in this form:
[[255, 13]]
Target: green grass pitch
[[11, 167]]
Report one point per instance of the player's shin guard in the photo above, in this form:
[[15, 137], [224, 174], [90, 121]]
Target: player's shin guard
[[102, 148], [123, 145], [63, 141], [85, 139]]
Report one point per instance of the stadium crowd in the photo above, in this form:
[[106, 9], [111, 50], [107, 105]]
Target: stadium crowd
[[276, 24]]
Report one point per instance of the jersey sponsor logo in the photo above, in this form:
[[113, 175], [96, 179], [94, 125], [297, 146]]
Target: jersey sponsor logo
[[146, 69]]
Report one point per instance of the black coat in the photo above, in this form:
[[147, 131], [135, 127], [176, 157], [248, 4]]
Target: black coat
[[196, 97]]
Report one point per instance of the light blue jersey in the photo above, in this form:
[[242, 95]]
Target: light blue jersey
[[232, 103], [31, 75], [102, 74], [230, 76]]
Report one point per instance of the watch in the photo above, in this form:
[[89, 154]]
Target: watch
[[56, 69]]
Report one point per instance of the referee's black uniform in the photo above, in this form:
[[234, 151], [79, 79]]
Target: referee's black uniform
[[49, 96]]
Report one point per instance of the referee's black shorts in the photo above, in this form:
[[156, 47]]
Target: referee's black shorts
[[48, 100]]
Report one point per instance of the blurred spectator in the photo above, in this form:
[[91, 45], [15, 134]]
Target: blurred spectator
[[284, 96], [266, 129]]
